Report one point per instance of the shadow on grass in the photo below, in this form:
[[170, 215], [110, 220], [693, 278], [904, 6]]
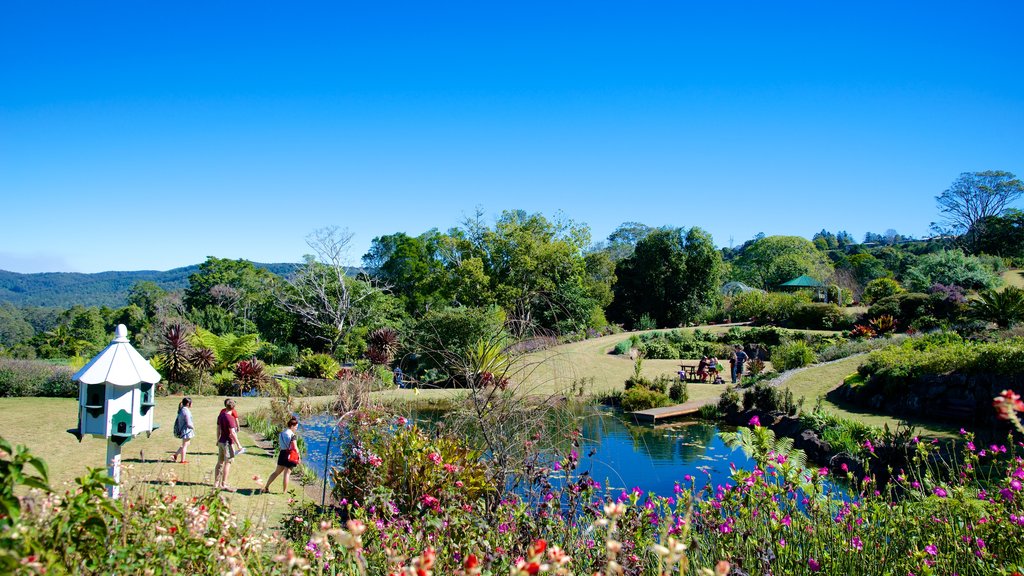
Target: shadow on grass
[[839, 399], [241, 491]]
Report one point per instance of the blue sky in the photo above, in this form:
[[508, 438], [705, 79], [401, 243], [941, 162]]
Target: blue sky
[[143, 135]]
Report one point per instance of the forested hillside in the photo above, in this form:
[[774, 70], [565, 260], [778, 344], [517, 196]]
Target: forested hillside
[[65, 289]]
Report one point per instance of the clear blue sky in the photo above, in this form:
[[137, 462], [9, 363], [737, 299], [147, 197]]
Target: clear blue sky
[[148, 135]]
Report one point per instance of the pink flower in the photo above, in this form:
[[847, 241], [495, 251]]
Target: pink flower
[[434, 457], [941, 492], [931, 549], [755, 421], [813, 565]]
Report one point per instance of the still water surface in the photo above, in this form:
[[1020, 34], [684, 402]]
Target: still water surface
[[617, 452]]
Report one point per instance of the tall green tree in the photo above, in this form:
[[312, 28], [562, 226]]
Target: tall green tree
[[977, 195], [1001, 235], [769, 261], [670, 276], [236, 296], [411, 267]]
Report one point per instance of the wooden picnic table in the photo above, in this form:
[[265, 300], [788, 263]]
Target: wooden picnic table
[[688, 372]]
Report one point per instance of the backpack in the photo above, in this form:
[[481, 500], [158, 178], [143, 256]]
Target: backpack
[[179, 426]]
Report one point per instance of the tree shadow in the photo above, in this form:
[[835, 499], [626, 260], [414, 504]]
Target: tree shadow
[[838, 397]]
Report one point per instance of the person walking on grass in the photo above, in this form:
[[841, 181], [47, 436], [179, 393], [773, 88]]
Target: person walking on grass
[[238, 423], [184, 428], [226, 442], [286, 442], [739, 357]]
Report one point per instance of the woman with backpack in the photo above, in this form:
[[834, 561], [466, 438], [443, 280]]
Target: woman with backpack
[[184, 428]]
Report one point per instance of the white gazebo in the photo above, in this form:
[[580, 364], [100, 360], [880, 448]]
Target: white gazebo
[[116, 399]]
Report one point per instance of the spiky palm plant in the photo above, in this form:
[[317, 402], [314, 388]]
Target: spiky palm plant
[[382, 345], [250, 374], [1005, 307], [176, 351], [202, 360]]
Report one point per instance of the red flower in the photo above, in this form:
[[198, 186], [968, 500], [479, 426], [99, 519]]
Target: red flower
[[1006, 403], [471, 562], [538, 547]]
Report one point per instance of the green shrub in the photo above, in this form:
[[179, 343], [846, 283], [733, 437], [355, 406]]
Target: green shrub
[[317, 366], [281, 355], [793, 355], [710, 412], [880, 288], [659, 350], [818, 316], [638, 382], [623, 348], [646, 322], [679, 392], [728, 401], [640, 398], [384, 375], [846, 348], [765, 307], [661, 383]]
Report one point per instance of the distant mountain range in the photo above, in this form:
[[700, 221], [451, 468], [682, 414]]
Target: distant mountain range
[[65, 289]]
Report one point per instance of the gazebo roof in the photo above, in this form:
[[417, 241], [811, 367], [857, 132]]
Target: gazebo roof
[[803, 281], [118, 364]]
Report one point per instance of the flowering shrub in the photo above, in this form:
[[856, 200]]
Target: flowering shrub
[[778, 518], [402, 468]]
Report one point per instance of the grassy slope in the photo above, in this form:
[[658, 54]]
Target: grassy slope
[[551, 372], [817, 381]]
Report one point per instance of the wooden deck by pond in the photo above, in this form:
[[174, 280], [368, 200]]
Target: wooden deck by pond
[[655, 414]]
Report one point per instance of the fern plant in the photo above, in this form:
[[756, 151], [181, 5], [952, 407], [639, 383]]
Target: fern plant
[[761, 445], [228, 348]]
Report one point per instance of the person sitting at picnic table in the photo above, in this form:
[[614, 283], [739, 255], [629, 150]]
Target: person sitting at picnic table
[[713, 368], [702, 369]]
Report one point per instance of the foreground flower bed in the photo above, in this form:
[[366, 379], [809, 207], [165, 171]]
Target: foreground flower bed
[[437, 516]]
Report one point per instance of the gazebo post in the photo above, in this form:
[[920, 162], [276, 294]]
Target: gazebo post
[[114, 468]]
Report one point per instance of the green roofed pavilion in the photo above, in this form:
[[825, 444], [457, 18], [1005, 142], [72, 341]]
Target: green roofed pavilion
[[803, 281]]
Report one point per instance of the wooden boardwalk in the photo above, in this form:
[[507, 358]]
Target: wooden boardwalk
[[655, 414]]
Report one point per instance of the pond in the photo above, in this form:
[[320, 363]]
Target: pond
[[616, 451]]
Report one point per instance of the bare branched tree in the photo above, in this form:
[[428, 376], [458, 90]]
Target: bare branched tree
[[976, 195], [326, 300]]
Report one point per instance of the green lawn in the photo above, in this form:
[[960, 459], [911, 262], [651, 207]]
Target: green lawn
[[1013, 278], [817, 381], [40, 424]]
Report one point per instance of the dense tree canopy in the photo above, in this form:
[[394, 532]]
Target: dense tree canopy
[[769, 261], [999, 235], [670, 277], [531, 267]]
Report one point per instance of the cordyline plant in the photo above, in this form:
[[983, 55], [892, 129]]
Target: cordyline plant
[[177, 351], [381, 345]]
